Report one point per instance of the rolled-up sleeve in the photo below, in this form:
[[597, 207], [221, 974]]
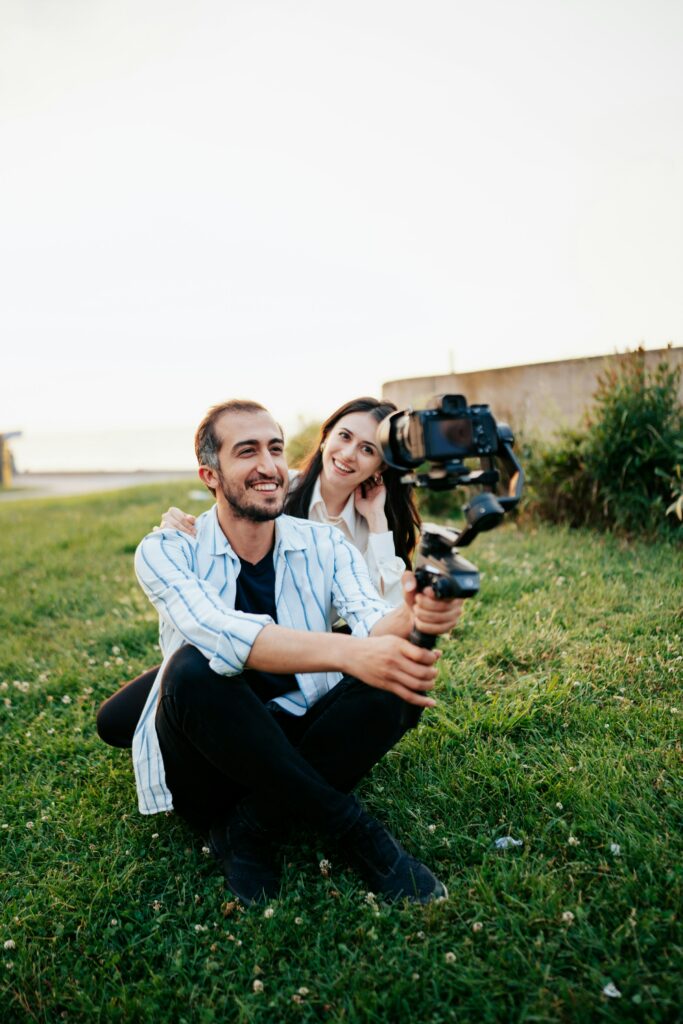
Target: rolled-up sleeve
[[165, 567], [354, 595]]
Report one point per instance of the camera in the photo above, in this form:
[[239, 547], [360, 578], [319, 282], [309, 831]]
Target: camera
[[449, 429], [431, 446]]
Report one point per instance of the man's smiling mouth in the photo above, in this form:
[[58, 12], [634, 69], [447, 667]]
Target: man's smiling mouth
[[267, 486]]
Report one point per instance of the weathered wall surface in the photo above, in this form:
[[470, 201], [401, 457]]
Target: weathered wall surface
[[534, 399]]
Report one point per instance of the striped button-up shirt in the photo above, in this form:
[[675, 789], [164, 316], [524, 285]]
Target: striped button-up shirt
[[191, 581]]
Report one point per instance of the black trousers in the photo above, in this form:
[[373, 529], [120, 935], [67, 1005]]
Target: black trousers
[[222, 746]]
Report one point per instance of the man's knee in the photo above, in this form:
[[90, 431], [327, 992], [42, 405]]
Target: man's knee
[[385, 712], [186, 669]]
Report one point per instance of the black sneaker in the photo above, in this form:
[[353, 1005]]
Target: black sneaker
[[247, 859], [386, 867]]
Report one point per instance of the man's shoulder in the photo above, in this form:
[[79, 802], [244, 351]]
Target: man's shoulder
[[305, 527], [307, 533]]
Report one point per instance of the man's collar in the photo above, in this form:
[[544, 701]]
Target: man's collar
[[286, 535]]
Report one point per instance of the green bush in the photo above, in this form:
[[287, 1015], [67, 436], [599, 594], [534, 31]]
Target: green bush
[[622, 469], [300, 445]]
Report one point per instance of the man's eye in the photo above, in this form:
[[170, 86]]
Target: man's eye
[[247, 451]]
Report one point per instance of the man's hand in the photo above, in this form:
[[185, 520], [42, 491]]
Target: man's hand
[[421, 611], [431, 614], [393, 664]]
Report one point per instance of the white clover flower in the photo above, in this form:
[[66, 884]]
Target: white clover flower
[[560, 806], [10, 944], [257, 985], [477, 926], [325, 868], [431, 828], [29, 824], [201, 928], [66, 699], [298, 920], [296, 998], [157, 905], [303, 991], [115, 650], [113, 923], [419, 935], [573, 841], [50, 732], [155, 835], [449, 957], [268, 912], [206, 850], [567, 917], [9, 965], [415, 976], [611, 991], [615, 849]]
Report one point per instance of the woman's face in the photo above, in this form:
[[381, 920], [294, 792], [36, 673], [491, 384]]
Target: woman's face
[[350, 452]]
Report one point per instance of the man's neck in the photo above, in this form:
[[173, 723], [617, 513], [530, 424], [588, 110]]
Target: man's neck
[[250, 541]]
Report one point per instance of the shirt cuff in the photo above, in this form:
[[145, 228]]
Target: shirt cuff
[[234, 647], [382, 545], [364, 627]]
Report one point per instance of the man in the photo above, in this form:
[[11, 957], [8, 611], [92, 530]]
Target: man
[[260, 717]]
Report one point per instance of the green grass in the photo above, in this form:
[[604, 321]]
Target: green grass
[[556, 724]]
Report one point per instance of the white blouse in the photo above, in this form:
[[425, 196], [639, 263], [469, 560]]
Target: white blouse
[[378, 549]]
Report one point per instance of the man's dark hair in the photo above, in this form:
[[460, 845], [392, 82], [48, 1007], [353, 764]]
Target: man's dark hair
[[206, 444]]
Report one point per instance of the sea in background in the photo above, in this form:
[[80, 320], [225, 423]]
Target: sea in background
[[129, 450]]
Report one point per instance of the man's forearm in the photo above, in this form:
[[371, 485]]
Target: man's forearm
[[397, 622], [282, 650]]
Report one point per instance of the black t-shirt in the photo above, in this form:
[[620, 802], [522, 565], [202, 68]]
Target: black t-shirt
[[256, 594]]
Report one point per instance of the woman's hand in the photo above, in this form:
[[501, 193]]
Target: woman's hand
[[176, 519], [369, 500]]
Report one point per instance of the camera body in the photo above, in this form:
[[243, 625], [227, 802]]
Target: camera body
[[441, 437], [448, 430]]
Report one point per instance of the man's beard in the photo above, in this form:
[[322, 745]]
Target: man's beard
[[243, 509]]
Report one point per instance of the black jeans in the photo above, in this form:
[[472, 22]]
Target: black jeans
[[222, 746]]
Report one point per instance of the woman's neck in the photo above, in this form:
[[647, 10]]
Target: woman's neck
[[334, 499]]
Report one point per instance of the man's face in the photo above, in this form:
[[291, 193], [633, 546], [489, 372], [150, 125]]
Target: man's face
[[252, 469]]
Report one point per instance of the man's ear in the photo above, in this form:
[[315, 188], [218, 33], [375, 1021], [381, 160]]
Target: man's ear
[[209, 477]]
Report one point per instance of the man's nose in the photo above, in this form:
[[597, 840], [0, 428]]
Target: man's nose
[[267, 464]]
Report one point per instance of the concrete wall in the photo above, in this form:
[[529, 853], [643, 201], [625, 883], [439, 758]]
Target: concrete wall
[[535, 400]]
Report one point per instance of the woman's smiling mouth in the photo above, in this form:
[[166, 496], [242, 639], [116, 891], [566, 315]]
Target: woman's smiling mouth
[[342, 467]]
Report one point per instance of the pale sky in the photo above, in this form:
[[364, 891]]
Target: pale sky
[[295, 201]]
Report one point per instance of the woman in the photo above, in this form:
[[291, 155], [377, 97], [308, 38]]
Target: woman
[[344, 482]]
